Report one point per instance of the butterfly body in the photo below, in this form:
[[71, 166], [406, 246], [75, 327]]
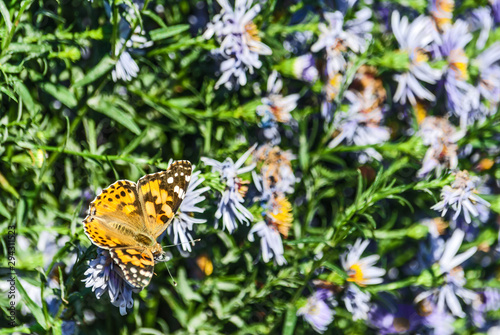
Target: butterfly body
[[127, 219]]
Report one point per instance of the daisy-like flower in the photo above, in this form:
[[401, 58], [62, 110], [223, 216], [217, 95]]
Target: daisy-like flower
[[454, 279], [357, 302], [271, 244], [441, 137], [276, 107], [488, 63], [239, 41], [463, 98], [317, 311], [361, 270], [442, 13], [182, 224], [487, 300], [104, 276], [481, 19], [437, 322], [276, 173], [461, 197], [414, 38], [338, 37], [126, 68], [400, 319], [278, 220], [361, 123], [231, 209]]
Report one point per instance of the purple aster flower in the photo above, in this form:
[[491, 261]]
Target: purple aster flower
[[441, 137], [414, 38], [357, 302], [317, 311], [239, 41], [275, 107], [271, 245], [338, 37], [437, 322], [481, 19], [487, 300], [461, 197], [304, 68], [454, 279], [442, 13], [231, 209], [488, 63], [495, 6], [360, 124], [400, 319], [104, 276]]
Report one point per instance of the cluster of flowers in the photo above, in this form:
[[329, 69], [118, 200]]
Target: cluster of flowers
[[357, 118]]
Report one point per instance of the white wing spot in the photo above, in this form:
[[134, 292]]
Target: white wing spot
[[176, 189], [182, 173], [176, 174], [181, 195], [170, 180], [133, 270], [188, 178]]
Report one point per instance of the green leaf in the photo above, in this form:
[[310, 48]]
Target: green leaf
[[26, 97], [163, 33], [61, 93], [6, 15], [290, 320], [32, 306], [104, 105], [8, 93], [97, 71]]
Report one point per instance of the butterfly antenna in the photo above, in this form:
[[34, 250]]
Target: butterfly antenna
[[174, 245], [173, 280]]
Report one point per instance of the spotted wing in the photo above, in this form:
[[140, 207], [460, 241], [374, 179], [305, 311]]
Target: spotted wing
[[115, 216], [161, 195], [137, 265]]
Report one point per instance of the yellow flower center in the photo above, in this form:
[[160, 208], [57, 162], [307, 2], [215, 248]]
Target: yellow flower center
[[356, 274], [252, 31], [420, 112], [458, 63], [281, 215]]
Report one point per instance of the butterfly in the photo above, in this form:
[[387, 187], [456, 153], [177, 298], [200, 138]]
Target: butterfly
[[127, 218]]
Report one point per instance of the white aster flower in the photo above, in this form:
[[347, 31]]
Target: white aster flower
[[317, 311], [231, 208], [271, 245], [361, 270], [488, 63], [183, 221], [239, 41], [461, 197], [276, 107], [414, 38], [449, 267], [339, 36], [441, 137]]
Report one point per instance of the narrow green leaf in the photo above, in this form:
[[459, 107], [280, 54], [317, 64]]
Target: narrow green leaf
[[61, 93], [32, 306], [8, 93], [104, 106], [6, 15], [290, 320], [97, 71], [25, 95], [163, 33]]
